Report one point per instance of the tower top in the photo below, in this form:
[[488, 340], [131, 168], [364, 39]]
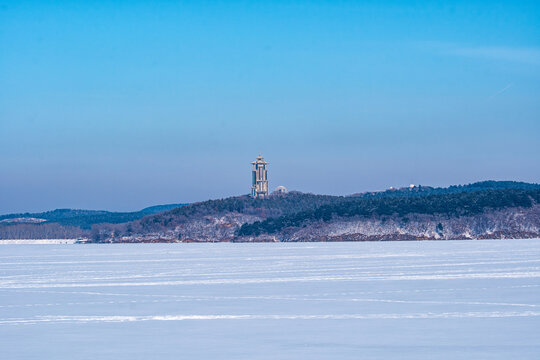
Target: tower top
[[260, 160]]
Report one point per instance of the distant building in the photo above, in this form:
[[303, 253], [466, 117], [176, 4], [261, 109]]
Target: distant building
[[280, 190], [259, 179]]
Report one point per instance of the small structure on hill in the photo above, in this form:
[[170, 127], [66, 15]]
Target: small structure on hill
[[280, 190]]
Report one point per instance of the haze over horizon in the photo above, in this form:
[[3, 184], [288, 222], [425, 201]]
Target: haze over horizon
[[123, 105]]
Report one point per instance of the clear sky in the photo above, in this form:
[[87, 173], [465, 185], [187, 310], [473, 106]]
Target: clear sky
[[124, 104]]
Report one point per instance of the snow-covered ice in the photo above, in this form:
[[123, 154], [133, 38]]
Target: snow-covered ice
[[378, 300], [37, 241]]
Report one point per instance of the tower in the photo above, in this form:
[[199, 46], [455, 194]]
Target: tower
[[259, 179]]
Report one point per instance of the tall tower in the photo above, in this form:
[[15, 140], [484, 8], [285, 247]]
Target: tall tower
[[259, 179]]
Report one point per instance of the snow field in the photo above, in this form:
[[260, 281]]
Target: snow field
[[387, 300]]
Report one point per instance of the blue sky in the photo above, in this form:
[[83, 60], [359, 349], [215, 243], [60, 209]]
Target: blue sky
[[120, 105]]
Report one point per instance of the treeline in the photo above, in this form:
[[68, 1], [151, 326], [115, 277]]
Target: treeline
[[457, 204], [419, 190], [84, 219], [291, 203], [86, 222], [41, 231], [273, 206], [278, 212], [291, 208]]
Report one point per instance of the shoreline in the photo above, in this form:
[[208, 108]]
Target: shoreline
[[77, 241]]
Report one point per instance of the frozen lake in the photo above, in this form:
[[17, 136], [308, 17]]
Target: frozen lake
[[391, 300]]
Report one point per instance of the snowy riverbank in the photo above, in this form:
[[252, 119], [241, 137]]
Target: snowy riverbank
[[37, 241]]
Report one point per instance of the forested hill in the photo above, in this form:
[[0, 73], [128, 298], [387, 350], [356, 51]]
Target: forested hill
[[485, 209], [420, 190], [448, 205], [243, 218], [295, 202], [85, 218]]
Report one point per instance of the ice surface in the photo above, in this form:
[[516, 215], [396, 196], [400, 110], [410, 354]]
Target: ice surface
[[37, 241], [383, 300]]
